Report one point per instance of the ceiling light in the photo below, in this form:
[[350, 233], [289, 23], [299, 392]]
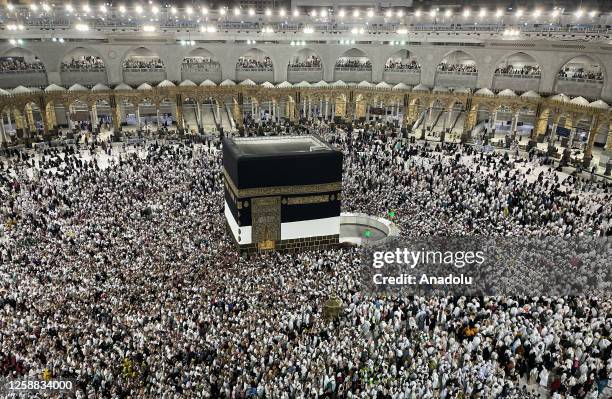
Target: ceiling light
[[61, 40], [122, 9], [222, 11], [46, 7], [537, 12], [189, 10], [86, 8], [388, 13], [482, 13], [282, 12], [296, 13], [139, 9], [555, 13], [448, 13], [323, 13], [33, 7], [498, 13], [148, 28], [432, 13], [417, 14], [192, 42], [356, 13], [69, 8], [204, 11], [313, 13], [10, 7], [578, 13], [103, 9], [370, 13], [341, 13], [154, 10], [251, 12], [466, 12], [268, 12], [13, 41], [519, 13], [81, 27], [400, 13], [593, 14]]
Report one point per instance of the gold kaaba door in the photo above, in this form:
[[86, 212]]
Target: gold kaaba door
[[266, 218]]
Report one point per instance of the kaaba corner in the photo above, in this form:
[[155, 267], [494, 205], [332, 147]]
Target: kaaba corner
[[282, 193]]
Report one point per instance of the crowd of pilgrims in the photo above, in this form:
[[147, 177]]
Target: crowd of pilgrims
[[205, 63], [533, 70], [19, 64], [309, 62], [144, 63], [117, 271], [252, 63], [364, 64], [85, 63], [460, 68], [401, 65], [580, 74]]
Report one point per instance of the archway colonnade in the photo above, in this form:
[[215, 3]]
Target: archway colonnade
[[541, 71], [328, 103]]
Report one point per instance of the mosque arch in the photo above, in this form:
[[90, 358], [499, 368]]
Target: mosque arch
[[200, 64]]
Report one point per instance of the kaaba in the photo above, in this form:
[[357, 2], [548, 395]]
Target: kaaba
[[282, 193]]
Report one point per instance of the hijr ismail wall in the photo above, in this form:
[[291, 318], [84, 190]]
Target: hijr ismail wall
[[282, 193]]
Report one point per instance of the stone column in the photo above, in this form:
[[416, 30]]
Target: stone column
[[3, 137], [514, 125], [541, 125], [588, 150], [609, 139], [42, 105], [68, 117], [115, 113], [199, 114], [30, 119], [180, 123], [572, 137], [92, 118], [494, 121], [237, 113], [138, 115]]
